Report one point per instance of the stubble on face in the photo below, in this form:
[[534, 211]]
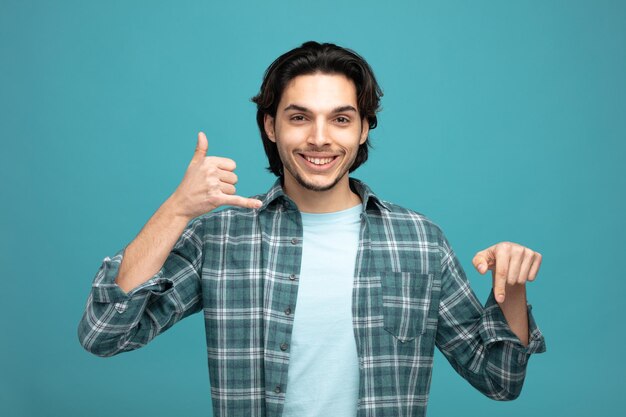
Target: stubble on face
[[317, 115], [293, 171]]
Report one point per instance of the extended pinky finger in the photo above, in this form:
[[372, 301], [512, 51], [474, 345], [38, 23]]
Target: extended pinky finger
[[235, 200]]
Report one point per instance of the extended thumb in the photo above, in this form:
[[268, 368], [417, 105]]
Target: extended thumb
[[480, 263], [201, 147]]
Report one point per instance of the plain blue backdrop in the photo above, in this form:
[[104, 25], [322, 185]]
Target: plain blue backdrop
[[500, 121]]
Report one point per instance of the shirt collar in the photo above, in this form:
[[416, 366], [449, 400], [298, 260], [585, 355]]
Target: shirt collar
[[276, 195]]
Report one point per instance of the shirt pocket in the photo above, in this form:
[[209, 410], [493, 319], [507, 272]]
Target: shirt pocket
[[406, 303]]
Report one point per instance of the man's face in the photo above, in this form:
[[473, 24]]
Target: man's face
[[317, 130]]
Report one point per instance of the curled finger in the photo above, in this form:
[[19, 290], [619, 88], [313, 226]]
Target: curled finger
[[227, 188], [228, 177], [534, 269]]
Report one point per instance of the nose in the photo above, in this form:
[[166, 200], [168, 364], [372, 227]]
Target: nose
[[319, 133]]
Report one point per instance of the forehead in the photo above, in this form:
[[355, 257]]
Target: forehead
[[319, 91]]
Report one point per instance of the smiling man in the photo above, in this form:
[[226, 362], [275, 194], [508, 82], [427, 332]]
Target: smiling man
[[319, 297], [318, 131]]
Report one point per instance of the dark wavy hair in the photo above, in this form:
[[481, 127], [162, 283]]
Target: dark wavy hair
[[309, 58]]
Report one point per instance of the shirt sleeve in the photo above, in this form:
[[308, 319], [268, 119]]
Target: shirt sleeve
[[115, 321], [477, 340]]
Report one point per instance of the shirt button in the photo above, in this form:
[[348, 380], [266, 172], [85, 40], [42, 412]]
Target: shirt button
[[292, 277], [284, 346], [288, 311], [294, 241], [277, 389]]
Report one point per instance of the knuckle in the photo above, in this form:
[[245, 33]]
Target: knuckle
[[217, 201], [211, 170]]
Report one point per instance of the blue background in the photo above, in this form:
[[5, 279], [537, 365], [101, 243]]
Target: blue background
[[501, 121]]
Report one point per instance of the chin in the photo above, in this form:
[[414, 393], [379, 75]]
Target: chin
[[317, 185]]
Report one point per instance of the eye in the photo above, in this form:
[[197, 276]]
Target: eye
[[342, 120], [297, 118]]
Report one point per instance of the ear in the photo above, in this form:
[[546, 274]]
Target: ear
[[365, 129], [268, 122]]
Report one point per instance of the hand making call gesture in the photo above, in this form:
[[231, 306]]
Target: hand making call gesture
[[209, 183]]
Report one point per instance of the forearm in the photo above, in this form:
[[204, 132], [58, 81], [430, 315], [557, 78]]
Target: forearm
[[164, 292], [515, 311], [147, 253], [489, 346]]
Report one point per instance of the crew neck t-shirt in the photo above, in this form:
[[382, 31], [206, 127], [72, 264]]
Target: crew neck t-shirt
[[323, 375]]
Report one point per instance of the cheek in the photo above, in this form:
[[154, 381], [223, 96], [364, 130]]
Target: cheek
[[349, 140], [292, 135]]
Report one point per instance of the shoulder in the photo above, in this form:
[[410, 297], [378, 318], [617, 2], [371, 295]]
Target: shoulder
[[395, 217], [410, 237], [407, 218]]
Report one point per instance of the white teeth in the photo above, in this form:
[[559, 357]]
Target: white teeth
[[318, 161]]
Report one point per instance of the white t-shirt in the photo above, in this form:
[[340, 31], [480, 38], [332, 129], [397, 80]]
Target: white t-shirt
[[323, 376]]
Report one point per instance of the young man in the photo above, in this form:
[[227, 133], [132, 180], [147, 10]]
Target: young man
[[319, 298]]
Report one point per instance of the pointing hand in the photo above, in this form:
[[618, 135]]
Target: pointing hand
[[510, 264]]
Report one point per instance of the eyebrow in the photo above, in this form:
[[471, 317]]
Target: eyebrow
[[340, 109]]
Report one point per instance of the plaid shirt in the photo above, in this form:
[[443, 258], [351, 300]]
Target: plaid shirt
[[241, 267]]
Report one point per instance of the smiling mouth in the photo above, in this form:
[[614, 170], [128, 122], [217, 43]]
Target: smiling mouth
[[319, 161]]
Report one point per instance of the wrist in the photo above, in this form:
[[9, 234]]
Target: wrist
[[517, 290], [173, 210]]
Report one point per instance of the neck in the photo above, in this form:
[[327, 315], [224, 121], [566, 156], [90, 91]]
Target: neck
[[339, 197]]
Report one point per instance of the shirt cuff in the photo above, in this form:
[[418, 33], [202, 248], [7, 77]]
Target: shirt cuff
[[495, 328], [106, 290]]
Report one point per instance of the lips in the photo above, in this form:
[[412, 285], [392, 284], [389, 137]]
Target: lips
[[319, 162]]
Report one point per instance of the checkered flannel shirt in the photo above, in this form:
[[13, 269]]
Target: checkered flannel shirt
[[241, 267]]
